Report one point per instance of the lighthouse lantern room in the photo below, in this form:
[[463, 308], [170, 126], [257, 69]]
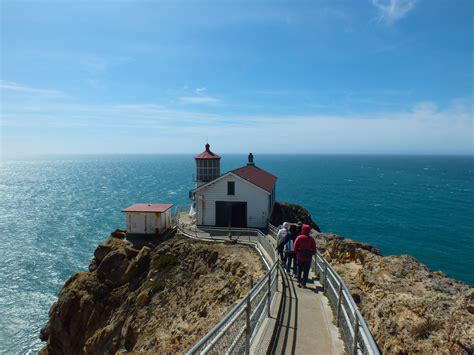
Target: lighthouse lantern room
[[208, 166]]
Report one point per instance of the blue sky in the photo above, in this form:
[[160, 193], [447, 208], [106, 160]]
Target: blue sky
[[365, 76]]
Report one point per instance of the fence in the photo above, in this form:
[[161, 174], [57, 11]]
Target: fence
[[236, 331], [354, 331]]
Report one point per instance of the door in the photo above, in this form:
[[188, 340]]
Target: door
[[222, 214], [137, 223], [239, 214], [231, 214]]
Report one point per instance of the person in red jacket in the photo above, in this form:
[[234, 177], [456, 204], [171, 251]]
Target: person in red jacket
[[305, 248]]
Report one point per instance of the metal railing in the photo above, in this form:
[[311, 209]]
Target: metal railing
[[355, 334], [354, 331], [236, 331], [272, 230]]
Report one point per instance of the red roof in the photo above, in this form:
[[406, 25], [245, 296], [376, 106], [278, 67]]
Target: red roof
[[207, 154], [256, 176], [148, 207]]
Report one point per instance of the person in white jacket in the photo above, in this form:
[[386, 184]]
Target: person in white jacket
[[282, 239]]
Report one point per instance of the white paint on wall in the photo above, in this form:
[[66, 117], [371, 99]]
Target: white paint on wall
[[148, 222], [257, 201]]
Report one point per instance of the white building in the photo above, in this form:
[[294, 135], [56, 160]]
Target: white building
[[242, 197], [143, 218]]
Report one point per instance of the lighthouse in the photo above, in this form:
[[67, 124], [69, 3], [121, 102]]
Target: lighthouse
[[208, 166], [240, 198]]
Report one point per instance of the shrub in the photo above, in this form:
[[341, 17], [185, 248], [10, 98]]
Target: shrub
[[164, 262], [425, 328], [156, 285]]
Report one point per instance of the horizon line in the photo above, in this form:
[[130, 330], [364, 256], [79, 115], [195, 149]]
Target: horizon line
[[45, 155]]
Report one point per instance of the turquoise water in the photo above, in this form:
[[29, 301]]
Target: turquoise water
[[54, 211]]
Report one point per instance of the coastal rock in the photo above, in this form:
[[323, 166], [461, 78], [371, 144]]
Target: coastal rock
[[286, 212], [139, 264], [112, 268], [110, 244], [119, 233], [408, 308], [153, 298]]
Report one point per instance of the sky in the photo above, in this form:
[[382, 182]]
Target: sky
[[316, 77]]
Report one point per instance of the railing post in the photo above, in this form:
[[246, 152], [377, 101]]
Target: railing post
[[356, 334], [277, 277], [339, 303], [269, 293], [248, 328], [325, 276]]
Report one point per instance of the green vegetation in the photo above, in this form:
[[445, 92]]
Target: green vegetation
[[148, 333], [164, 262], [156, 285]]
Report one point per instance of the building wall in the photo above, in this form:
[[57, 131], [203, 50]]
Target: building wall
[[257, 201], [147, 223]]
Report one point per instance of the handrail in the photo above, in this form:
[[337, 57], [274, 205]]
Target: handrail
[[228, 335], [355, 333], [364, 342]]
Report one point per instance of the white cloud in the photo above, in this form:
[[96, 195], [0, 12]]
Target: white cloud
[[425, 129], [27, 90], [199, 98], [393, 10]]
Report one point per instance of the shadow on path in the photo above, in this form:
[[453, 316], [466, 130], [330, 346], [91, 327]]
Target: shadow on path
[[287, 318]]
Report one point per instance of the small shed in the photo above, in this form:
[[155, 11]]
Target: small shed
[[147, 218]]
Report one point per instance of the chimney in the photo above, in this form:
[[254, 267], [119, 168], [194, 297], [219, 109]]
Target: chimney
[[250, 162]]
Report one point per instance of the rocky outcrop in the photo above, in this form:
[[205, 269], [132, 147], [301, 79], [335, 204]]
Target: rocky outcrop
[[408, 308], [149, 298], [286, 212]]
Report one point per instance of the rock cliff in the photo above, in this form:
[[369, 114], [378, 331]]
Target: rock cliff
[[148, 297], [287, 212], [408, 308]]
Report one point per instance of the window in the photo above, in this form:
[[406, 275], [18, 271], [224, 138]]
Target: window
[[230, 188]]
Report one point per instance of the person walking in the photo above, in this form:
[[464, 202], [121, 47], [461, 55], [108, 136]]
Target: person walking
[[305, 248], [299, 225], [281, 240], [290, 251]]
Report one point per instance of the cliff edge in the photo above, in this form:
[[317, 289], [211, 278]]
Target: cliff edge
[[408, 307], [149, 298]]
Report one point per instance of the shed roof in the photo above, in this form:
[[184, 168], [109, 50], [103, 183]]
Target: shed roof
[[148, 207], [257, 176]]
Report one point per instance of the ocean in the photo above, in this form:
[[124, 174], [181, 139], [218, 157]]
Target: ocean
[[55, 210]]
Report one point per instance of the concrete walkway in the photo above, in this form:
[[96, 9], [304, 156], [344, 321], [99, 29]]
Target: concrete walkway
[[300, 323]]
